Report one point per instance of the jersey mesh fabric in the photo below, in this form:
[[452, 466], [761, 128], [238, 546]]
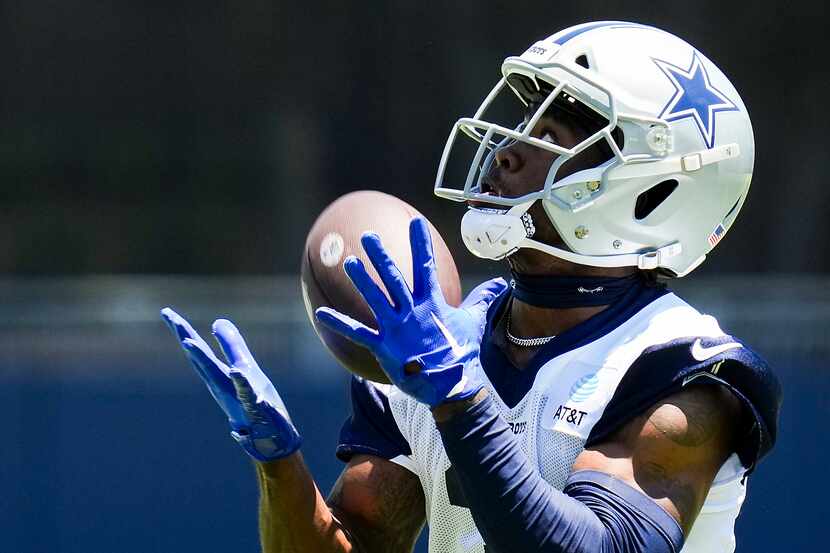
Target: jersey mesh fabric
[[557, 452]]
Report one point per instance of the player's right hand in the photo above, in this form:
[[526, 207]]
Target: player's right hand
[[428, 348], [257, 415]]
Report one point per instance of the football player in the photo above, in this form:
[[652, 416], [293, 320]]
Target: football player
[[583, 407]]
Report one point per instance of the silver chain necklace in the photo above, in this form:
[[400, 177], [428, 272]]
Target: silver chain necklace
[[525, 342]]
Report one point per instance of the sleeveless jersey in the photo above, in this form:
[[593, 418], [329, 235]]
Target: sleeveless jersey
[[607, 371]]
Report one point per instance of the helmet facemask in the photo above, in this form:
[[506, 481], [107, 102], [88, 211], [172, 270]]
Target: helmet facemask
[[504, 118], [527, 93]]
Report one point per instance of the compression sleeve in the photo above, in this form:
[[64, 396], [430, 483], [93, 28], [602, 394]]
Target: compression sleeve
[[516, 511]]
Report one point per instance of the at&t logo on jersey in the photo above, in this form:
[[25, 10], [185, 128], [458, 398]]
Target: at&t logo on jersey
[[577, 402], [569, 414], [584, 387]]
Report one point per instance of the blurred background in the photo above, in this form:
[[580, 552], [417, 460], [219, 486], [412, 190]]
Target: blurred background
[[177, 153]]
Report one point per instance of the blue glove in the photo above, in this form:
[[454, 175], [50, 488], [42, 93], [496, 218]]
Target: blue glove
[[258, 417], [426, 347]]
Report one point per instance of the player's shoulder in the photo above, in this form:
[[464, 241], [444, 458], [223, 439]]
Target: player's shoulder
[[675, 346], [665, 318], [681, 344], [654, 325], [672, 333]]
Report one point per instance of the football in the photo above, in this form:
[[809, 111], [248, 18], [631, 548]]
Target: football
[[334, 236]]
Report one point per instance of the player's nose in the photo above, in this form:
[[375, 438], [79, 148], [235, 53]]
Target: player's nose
[[509, 159]]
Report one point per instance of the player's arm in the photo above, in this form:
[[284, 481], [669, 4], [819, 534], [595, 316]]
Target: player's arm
[[672, 452], [381, 503], [641, 490], [375, 506], [369, 496], [292, 513]]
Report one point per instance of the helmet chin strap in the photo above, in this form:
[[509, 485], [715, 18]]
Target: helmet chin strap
[[496, 234]]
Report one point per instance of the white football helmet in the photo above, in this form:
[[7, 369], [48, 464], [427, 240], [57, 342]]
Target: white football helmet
[[675, 182]]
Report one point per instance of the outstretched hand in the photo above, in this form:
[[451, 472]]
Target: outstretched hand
[[426, 347], [258, 418]]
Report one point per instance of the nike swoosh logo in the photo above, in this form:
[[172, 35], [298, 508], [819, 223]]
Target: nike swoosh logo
[[702, 354], [454, 345]]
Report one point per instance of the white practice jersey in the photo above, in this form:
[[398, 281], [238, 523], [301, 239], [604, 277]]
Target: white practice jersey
[[586, 387]]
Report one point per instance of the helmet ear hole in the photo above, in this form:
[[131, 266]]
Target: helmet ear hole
[[583, 61], [649, 200]]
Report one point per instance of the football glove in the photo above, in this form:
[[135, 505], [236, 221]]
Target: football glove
[[257, 415], [427, 348]]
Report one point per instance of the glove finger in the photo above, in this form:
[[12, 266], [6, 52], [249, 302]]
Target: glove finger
[[179, 325], [236, 351], [346, 326], [389, 273], [424, 275], [232, 343], [242, 361], [367, 287], [212, 371], [185, 332], [478, 302]]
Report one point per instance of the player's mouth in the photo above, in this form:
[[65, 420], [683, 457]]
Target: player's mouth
[[483, 204], [487, 189]]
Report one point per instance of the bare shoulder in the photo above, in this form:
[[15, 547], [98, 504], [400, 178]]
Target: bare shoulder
[[673, 451], [381, 503]]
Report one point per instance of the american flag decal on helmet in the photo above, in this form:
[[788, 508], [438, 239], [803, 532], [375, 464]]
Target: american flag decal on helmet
[[716, 235]]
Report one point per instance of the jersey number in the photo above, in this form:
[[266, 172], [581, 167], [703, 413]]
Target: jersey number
[[456, 494]]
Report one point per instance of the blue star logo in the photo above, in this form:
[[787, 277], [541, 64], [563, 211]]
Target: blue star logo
[[694, 97]]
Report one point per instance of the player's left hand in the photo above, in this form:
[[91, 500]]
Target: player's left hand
[[257, 415], [426, 347]]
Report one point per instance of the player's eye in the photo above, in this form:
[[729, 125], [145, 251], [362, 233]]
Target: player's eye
[[549, 136]]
